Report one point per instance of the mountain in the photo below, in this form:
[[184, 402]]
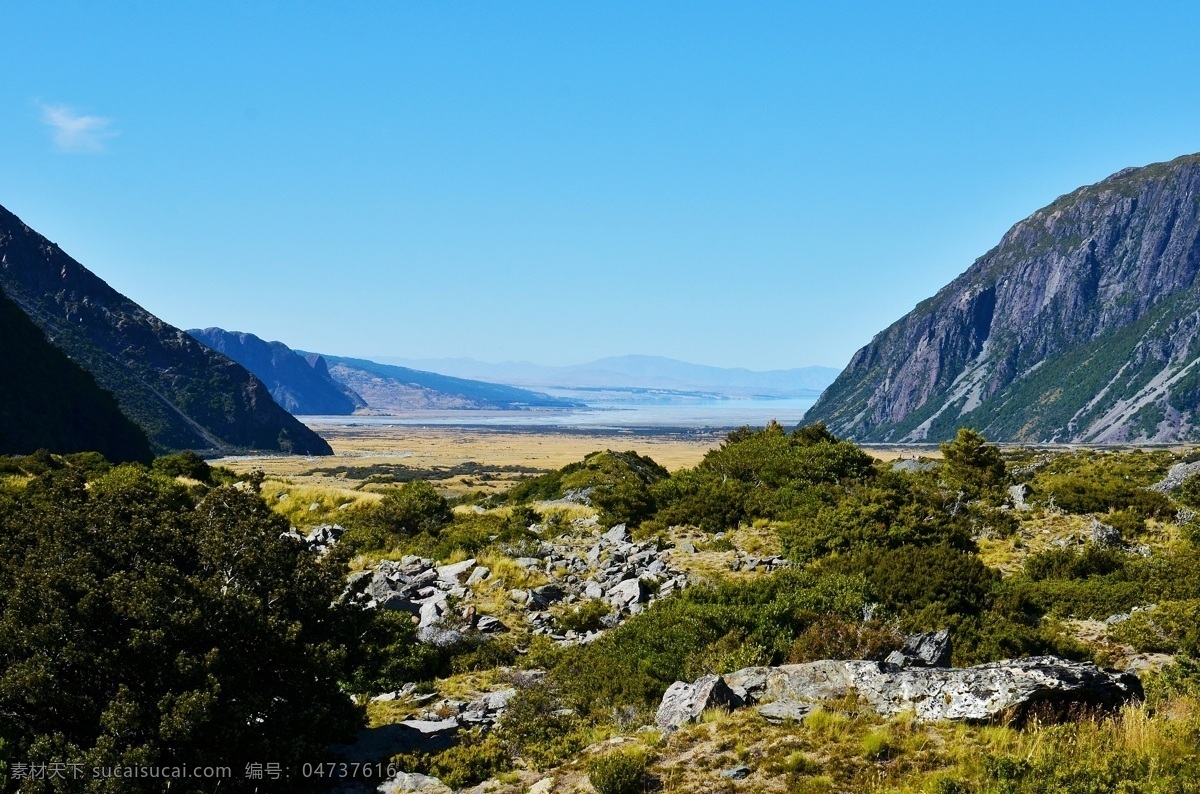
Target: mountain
[[48, 402], [1082, 325], [182, 394], [639, 372], [302, 385], [386, 388]]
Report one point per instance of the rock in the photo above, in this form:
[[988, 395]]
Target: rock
[[684, 702], [480, 574], [431, 611], [931, 649], [549, 593], [1105, 536], [1176, 476], [528, 562], [737, 773], [686, 546], [785, 710], [618, 534], [627, 593], [913, 465], [439, 638], [490, 625], [1043, 685], [498, 700], [453, 572], [543, 786], [1017, 494], [411, 781]]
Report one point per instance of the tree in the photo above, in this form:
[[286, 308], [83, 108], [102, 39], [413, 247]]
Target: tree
[[142, 626], [973, 465]]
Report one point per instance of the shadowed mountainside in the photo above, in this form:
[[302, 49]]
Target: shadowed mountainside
[[49, 402], [182, 394]]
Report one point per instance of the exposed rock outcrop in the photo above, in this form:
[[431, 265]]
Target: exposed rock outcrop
[[684, 702], [1080, 326], [1045, 686]]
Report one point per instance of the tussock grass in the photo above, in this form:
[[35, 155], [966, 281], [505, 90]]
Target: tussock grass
[[295, 502]]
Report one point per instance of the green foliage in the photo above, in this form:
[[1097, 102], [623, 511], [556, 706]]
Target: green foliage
[[414, 508], [686, 636], [833, 637], [618, 484], [184, 464], [1069, 564], [585, 617], [1100, 482], [537, 728], [972, 465], [390, 656], [193, 628], [618, 772], [471, 762]]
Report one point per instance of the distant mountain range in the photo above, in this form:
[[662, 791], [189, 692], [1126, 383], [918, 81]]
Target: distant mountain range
[[313, 383], [637, 372], [1082, 325], [182, 394]]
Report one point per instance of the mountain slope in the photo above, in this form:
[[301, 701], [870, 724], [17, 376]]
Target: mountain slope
[[48, 402], [1083, 325], [302, 385], [387, 388], [635, 371], [183, 395]]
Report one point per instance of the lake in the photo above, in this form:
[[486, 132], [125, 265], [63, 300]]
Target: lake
[[690, 414]]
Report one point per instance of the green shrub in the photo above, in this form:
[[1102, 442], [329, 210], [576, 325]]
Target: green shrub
[[619, 772], [585, 617], [184, 464], [538, 728], [471, 762], [1069, 564]]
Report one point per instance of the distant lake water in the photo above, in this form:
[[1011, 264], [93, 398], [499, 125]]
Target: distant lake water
[[697, 414]]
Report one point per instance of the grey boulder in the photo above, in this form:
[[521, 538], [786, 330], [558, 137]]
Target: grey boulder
[[931, 649], [1042, 685], [684, 702]]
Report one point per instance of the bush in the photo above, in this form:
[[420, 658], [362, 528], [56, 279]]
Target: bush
[[620, 772], [185, 464], [536, 727], [972, 465], [192, 628], [585, 617], [832, 637], [470, 762]]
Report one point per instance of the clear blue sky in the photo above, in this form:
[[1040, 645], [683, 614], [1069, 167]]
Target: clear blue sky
[[742, 184]]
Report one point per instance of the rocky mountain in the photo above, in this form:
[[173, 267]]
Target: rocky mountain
[[48, 402], [386, 388], [301, 384], [1082, 325], [181, 393], [638, 372]]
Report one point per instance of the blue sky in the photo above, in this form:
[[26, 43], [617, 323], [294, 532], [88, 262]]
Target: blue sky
[[753, 184]]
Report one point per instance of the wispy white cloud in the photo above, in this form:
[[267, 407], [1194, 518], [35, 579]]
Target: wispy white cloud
[[74, 132]]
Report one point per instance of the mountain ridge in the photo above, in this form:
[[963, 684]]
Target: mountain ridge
[[638, 371], [183, 395], [1081, 325]]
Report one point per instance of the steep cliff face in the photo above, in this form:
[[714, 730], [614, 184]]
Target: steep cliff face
[[1083, 324], [302, 385], [48, 402], [182, 394]]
